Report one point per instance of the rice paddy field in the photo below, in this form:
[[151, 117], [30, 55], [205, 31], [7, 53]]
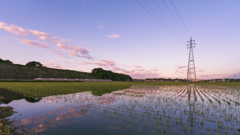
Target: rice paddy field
[[124, 108]]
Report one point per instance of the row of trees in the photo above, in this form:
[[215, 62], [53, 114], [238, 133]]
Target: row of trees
[[100, 73], [29, 64]]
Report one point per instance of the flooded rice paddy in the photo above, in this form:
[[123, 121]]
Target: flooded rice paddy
[[141, 109]]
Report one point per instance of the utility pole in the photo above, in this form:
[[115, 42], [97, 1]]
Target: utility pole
[[191, 72], [234, 77]]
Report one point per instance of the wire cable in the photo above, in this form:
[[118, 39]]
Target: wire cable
[[175, 8], [174, 17], [160, 18], [160, 22], [169, 19]]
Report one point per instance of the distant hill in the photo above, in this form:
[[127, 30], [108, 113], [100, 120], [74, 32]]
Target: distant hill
[[8, 70]]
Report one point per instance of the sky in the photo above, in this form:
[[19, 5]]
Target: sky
[[141, 38]]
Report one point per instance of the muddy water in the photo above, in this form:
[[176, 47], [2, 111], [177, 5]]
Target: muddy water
[[141, 109]]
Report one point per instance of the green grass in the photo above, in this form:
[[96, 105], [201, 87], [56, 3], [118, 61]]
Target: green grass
[[43, 89]]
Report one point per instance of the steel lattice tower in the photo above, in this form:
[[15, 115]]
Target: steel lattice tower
[[191, 72]]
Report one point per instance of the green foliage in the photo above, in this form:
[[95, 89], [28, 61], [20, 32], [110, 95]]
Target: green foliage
[[238, 129], [5, 129], [5, 61], [100, 73], [34, 64], [29, 73], [42, 89]]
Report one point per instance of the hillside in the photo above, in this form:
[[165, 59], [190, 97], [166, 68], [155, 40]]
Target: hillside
[[8, 70]]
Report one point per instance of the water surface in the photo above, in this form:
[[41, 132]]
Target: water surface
[[141, 109]]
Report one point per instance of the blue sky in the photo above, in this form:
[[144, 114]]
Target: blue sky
[[120, 35]]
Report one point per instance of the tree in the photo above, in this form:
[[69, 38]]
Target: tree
[[34, 64], [100, 73], [5, 61]]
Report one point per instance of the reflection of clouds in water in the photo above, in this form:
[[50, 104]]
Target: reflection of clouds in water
[[33, 119], [133, 93], [154, 105], [63, 114], [72, 112], [57, 111], [78, 105]]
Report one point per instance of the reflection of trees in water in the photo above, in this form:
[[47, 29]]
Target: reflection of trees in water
[[11, 126], [111, 105], [8, 96]]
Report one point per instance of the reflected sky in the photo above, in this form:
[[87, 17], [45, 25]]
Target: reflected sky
[[141, 109]]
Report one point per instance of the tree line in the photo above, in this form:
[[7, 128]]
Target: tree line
[[97, 73], [100, 73]]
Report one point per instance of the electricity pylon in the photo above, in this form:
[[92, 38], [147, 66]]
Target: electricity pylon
[[191, 72]]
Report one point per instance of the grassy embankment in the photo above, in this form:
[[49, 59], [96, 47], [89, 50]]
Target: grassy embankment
[[42, 89]]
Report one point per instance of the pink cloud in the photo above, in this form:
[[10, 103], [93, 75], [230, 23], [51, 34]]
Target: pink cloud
[[80, 52], [114, 35], [13, 29], [58, 52], [108, 62], [32, 43], [52, 64], [39, 34], [63, 44], [137, 73], [103, 63], [181, 67], [136, 66], [201, 70], [181, 70], [85, 63]]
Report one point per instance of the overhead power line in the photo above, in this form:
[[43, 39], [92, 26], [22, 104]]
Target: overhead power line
[[170, 20], [160, 17], [179, 16], [158, 20], [174, 17]]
